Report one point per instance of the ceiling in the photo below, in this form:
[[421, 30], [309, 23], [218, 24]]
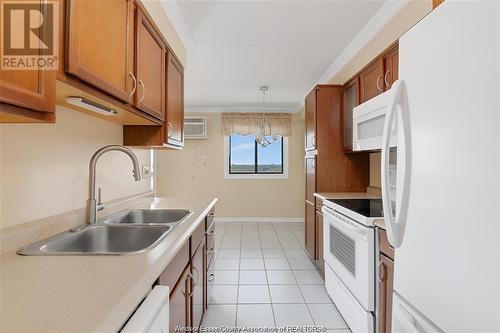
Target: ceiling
[[233, 47]]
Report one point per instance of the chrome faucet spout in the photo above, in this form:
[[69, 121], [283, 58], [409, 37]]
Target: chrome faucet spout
[[92, 205]]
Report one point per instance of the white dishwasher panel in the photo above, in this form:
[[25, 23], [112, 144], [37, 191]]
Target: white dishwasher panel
[[153, 314]]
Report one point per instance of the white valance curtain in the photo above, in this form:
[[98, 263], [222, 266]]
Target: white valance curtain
[[249, 123]]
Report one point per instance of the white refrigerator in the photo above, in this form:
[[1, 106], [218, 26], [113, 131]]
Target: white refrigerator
[[444, 218]]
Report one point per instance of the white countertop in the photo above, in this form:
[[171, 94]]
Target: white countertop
[[87, 293]]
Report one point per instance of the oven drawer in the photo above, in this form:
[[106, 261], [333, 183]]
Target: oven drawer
[[358, 319]]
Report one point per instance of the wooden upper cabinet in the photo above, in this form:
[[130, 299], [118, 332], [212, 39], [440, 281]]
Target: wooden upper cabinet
[[100, 45], [351, 100], [372, 80], [310, 118], [391, 67], [175, 102], [28, 95], [150, 68]]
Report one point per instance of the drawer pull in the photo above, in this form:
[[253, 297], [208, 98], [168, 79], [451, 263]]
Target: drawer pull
[[211, 277]]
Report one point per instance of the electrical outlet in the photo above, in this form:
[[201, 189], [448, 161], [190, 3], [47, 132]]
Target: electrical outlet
[[146, 171]]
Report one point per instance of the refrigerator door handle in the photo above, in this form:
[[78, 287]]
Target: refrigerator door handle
[[395, 225]]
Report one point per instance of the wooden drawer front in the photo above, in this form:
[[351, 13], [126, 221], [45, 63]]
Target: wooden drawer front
[[319, 204], [384, 245], [175, 268], [196, 238]]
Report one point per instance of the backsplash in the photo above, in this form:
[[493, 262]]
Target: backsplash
[[375, 178], [44, 167]]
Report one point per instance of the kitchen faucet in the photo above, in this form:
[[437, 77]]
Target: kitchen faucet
[[92, 205]]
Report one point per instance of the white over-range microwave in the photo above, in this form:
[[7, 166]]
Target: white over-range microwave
[[369, 121]]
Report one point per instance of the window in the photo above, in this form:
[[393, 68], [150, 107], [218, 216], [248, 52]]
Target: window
[[245, 158]]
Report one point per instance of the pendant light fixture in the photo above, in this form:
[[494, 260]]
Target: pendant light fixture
[[263, 134]]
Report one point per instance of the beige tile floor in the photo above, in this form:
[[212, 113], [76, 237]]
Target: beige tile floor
[[263, 277]]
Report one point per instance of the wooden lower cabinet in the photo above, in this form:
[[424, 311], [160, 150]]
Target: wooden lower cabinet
[[179, 309], [319, 258], [310, 229], [187, 277], [385, 283], [198, 284]]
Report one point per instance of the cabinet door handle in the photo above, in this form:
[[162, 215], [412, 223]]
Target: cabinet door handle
[[143, 91], [169, 132], [313, 164], [381, 272], [313, 140], [378, 83], [135, 84], [211, 250], [211, 277], [188, 276], [211, 215], [385, 79]]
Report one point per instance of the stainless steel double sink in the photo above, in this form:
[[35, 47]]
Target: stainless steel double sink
[[126, 232]]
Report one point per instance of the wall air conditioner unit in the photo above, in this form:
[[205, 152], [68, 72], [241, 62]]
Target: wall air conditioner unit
[[195, 128]]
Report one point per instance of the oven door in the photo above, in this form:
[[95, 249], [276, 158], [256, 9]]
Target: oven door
[[350, 252]]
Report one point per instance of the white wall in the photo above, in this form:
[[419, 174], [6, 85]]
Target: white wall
[[198, 170], [44, 167]]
